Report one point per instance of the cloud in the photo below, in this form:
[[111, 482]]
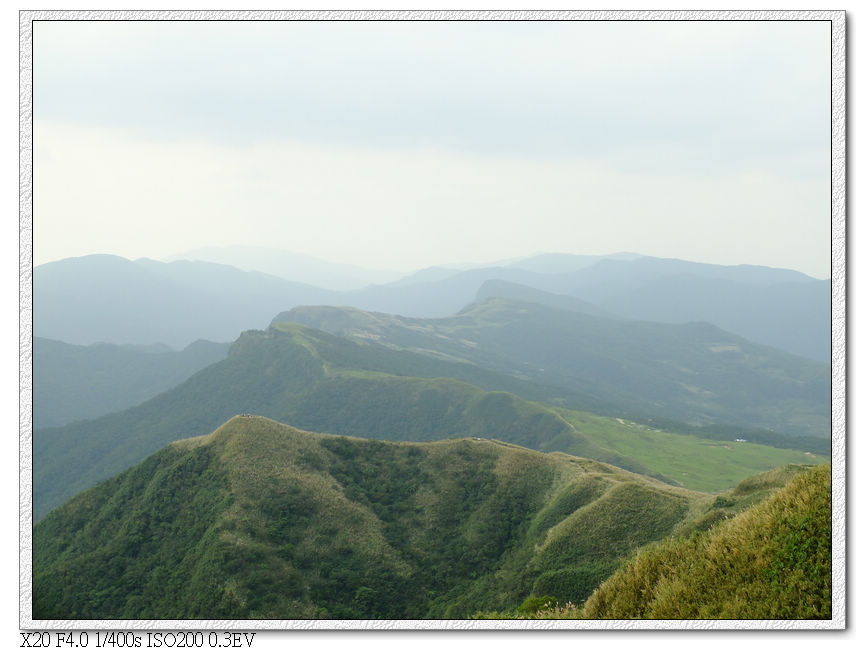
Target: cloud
[[542, 89], [100, 189]]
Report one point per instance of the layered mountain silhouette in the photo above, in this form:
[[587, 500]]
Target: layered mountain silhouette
[[693, 372], [75, 382], [290, 266], [333, 384], [107, 298]]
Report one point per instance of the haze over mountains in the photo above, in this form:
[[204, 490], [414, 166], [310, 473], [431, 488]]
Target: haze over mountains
[[289, 266], [75, 382], [103, 298]]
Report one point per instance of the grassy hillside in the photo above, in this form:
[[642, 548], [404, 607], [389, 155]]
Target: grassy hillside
[[260, 520], [749, 556], [773, 561], [692, 372], [325, 383], [693, 461]]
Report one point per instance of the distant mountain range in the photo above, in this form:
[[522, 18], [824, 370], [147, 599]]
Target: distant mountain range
[[778, 307], [75, 382], [289, 266], [106, 298]]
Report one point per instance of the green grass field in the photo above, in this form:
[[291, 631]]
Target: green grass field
[[696, 463]]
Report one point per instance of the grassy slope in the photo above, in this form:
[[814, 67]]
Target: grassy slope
[[772, 560], [324, 383], [696, 463], [260, 520]]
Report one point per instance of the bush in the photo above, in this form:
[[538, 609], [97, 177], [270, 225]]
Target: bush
[[536, 604]]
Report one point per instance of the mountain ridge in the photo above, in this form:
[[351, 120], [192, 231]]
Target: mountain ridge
[[322, 382], [107, 298], [694, 372]]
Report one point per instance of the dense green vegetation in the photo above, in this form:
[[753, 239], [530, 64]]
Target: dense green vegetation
[[693, 372], [326, 383], [260, 520], [75, 382]]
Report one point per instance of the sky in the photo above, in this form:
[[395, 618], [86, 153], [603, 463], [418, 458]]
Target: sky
[[400, 145]]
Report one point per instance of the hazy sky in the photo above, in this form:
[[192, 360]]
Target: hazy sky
[[400, 145]]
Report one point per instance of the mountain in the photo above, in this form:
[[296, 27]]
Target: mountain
[[106, 298], [693, 372], [314, 380], [290, 266], [74, 382], [759, 551], [326, 383], [513, 291], [261, 520], [778, 307], [86, 300], [564, 262], [435, 293]]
